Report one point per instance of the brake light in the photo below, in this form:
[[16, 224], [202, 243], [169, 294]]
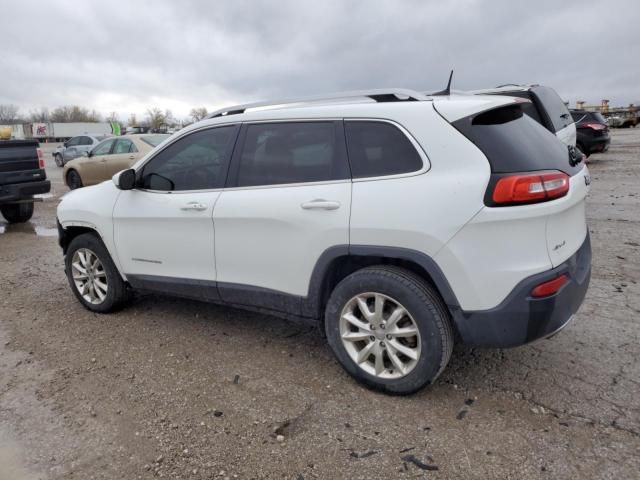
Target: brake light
[[530, 187], [550, 287], [40, 158], [593, 126]]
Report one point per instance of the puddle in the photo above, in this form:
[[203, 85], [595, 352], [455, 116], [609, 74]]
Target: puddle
[[39, 230], [46, 231], [44, 195]]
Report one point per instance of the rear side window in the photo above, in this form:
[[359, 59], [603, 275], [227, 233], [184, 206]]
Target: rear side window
[[513, 142], [124, 146], [103, 148], [554, 106], [198, 161], [379, 148], [291, 152]]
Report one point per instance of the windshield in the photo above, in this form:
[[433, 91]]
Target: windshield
[[154, 140]]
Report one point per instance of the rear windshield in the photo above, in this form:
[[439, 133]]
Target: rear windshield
[[154, 140], [514, 142], [554, 106], [584, 116]]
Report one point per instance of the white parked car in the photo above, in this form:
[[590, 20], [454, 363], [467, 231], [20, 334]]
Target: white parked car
[[398, 222], [546, 107]]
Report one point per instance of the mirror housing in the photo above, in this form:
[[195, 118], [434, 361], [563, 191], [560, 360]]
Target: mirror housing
[[125, 179]]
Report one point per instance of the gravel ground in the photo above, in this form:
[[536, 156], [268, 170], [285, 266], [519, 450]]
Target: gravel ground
[[179, 389]]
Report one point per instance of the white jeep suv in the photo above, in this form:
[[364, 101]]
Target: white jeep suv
[[396, 221]]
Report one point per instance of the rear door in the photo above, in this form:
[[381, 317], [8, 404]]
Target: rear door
[[515, 144], [288, 201], [72, 151]]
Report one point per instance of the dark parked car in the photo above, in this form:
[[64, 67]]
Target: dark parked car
[[592, 131]]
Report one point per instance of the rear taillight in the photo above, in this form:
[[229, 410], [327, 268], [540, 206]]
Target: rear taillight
[[550, 287], [40, 158], [524, 188], [593, 126]]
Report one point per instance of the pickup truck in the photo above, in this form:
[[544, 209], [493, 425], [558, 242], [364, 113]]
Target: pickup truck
[[22, 175]]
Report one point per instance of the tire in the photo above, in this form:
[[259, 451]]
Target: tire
[[58, 159], [74, 180], [426, 315], [17, 212], [96, 298]]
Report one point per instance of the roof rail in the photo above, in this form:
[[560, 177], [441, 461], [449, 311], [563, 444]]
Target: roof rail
[[379, 95]]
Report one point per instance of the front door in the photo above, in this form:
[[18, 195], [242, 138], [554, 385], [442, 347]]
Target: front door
[[163, 230], [93, 167], [287, 202], [124, 154]]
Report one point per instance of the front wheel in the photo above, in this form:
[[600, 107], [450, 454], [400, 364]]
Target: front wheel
[[92, 275], [389, 329], [73, 180], [17, 212]]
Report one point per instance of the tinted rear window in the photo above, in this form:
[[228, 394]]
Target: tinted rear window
[[291, 152], [554, 106], [379, 148], [513, 142]]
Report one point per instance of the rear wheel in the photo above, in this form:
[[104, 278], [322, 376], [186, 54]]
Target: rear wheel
[[58, 159], [73, 180], [92, 275], [389, 329], [17, 212]]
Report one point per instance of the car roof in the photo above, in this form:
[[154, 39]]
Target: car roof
[[380, 103], [511, 87]]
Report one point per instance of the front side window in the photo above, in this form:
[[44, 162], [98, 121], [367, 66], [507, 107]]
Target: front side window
[[73, 142], [198, 161], [291, 152], [103, 148], [379, 148], [124, 146]]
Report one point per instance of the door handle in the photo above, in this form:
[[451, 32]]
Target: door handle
[[194, 206], [132, 157], [320, 204]]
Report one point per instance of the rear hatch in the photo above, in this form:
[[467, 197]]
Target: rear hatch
[[19, 162], [533, 174]]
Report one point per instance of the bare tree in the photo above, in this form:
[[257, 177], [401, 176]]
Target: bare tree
[[9, 113], [113, 117], [133, 121], [74, 113], [155, 118], [198, 114], [41, 115]]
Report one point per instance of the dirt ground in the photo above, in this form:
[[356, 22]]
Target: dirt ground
[[180, 389]]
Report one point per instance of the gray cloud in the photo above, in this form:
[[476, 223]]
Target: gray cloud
[[125, 56]]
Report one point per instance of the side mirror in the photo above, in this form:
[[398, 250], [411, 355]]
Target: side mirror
[[125, 180]]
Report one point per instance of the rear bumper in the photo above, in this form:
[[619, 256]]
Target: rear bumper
[[21, 191], [596, 144], [520, 318]]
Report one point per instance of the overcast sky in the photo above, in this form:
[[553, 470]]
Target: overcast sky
[[127, 56]]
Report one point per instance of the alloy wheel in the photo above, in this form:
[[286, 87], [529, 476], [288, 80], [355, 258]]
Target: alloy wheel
[[380, 335], [89, 276]]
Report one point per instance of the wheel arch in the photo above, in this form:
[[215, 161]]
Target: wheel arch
[[338, 262], [67, 234]]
